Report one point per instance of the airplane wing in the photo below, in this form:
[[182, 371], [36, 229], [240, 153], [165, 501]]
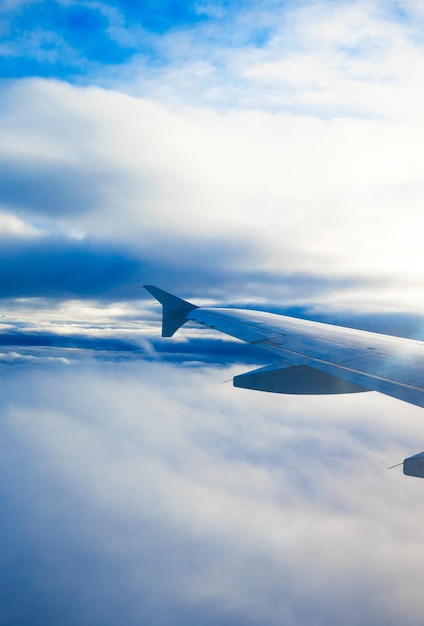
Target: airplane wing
[[312, 357]]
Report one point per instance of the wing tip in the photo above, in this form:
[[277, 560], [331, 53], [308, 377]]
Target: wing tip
[[175, 310]]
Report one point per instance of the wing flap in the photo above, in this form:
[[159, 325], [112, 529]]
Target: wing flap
[[295, 379]]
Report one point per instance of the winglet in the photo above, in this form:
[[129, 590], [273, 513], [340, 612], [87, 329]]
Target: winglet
[[175, 310]]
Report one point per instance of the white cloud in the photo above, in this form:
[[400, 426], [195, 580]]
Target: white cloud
[[221, 501], [352, 54], [338, 197], [10, 225]]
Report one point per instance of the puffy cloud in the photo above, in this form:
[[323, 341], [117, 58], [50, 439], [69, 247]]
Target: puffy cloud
[[210, 507], [249, 191]]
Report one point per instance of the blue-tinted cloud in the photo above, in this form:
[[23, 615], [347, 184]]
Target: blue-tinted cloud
[[49, 188], [61, 267], [64, 268]]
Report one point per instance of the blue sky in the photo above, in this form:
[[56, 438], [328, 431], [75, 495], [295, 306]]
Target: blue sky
[[264, 155]]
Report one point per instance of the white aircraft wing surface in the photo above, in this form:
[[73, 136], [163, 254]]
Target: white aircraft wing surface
[[312, 357]]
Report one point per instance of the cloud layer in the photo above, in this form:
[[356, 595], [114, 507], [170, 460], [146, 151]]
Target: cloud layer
[[226, 506], [248, 192]]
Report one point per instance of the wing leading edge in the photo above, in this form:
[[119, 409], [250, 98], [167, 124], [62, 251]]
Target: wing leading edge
[[313, 358]]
